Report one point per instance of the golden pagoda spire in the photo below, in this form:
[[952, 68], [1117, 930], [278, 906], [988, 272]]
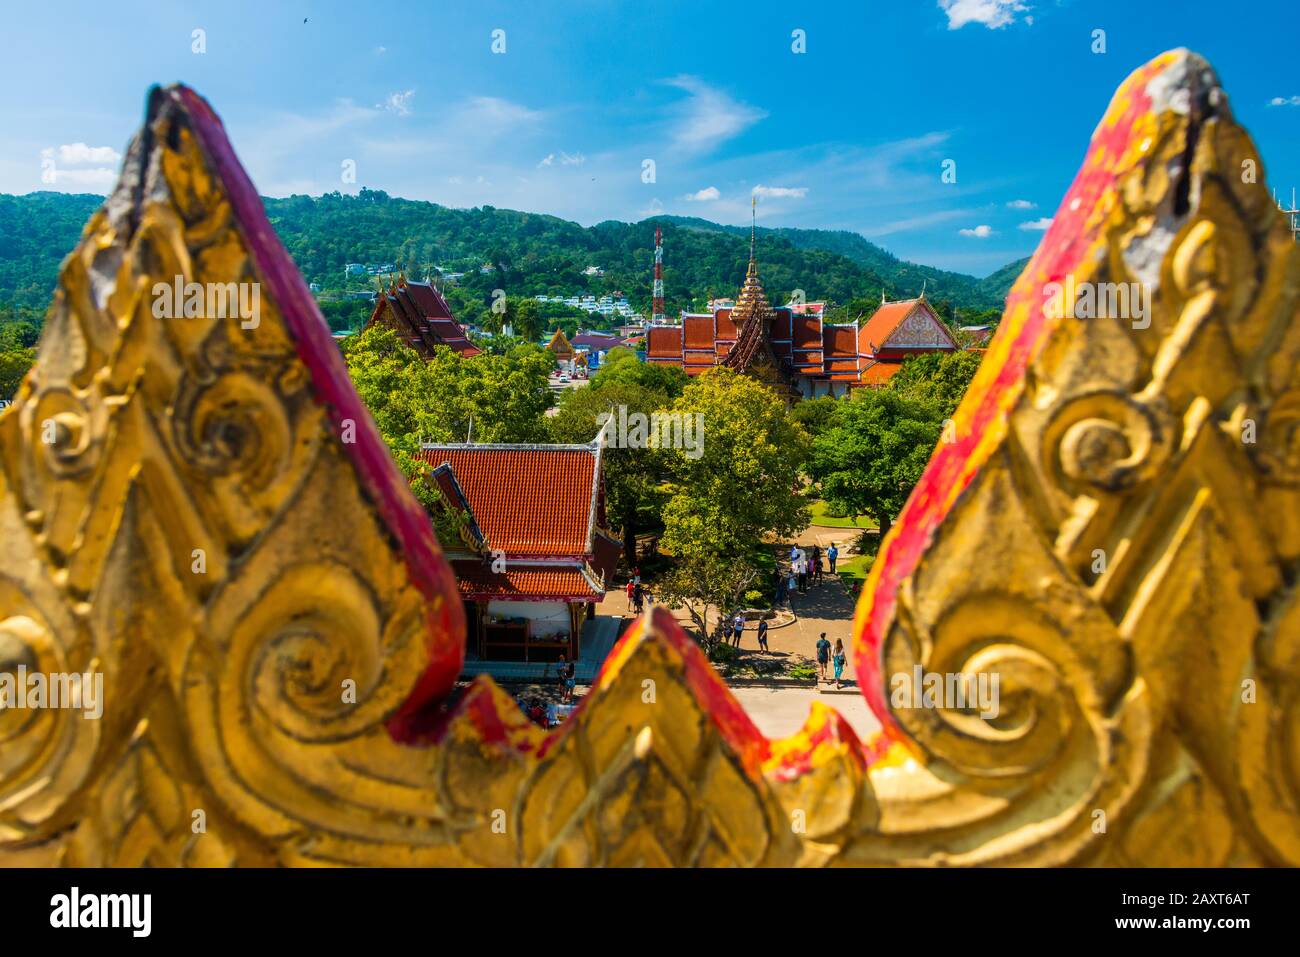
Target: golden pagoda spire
[[752, 301], [753, 223]]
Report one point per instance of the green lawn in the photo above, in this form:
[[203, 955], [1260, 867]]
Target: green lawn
[[856, 567], [821, 516]]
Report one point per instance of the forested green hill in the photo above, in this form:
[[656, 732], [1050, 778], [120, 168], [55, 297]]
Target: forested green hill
[[529, 253]]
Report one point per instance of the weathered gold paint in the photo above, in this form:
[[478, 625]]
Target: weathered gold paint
[[1122, 691]]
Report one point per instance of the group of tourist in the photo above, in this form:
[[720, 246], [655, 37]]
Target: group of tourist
[[637, 595], [825, 656], [733, 627], [805, 568]]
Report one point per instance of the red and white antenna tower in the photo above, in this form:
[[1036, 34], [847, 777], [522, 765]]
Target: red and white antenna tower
[[657, 317]]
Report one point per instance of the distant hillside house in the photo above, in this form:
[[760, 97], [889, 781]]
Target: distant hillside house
[[792, 347], [536, 553], [421, 318]]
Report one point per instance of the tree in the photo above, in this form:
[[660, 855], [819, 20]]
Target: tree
[[938, 377], [505, 396], [622, 365], [869, 461], [632, 475], [527, 319], [742, 480], [14, 364], [699, 584], [815, 416]]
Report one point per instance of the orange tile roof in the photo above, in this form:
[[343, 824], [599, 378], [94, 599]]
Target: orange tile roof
[[665, 341], [807, 332], [477, 580], [528, 500], [883, 322], [839, 342], [698, 332], [880, 371]]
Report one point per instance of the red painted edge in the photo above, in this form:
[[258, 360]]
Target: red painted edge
[[953, 466], [380, 478]]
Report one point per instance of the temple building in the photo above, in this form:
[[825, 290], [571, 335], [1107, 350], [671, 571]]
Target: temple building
[[562, 349], [421, 318], [535, 553], [792, 347]]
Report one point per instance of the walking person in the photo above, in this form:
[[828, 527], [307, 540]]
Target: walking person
[[740, 626], [779, 598], [801, 569], [823, 655], [762, 635], [631, 586], [567, 672], [840, 659], [638, 597], [832, 554], [726, 630], [815, 564], [790, 586]]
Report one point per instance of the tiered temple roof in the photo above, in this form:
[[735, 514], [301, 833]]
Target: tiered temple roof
[[421, 317], [806, 349]]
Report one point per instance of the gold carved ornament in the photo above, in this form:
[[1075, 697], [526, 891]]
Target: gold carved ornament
[[200, 510]]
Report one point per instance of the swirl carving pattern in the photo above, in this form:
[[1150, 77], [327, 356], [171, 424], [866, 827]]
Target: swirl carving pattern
[[1112, 535]]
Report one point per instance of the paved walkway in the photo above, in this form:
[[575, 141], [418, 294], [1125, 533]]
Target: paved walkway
[[827, 607], [780, 712]]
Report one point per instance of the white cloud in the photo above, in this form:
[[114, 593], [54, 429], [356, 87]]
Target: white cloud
[[399, 103], [1021, 204], [69, 167], [979, 232], [380, 51], [1284, 101], [781, 192], [566, 159], [709, 116], [500, 113], [706, 195], [76, 154], [1036, 225], [994, 14]]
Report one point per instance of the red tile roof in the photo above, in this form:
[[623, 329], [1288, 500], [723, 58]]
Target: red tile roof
[[699, 332], [665, 341], [879, 371], [422, 318], [800, 341], [528, 500], [882, 324], [477, 581], [807, 332], [839, 341]]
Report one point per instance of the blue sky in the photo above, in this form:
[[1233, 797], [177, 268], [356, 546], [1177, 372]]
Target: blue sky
[[851, 134]]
